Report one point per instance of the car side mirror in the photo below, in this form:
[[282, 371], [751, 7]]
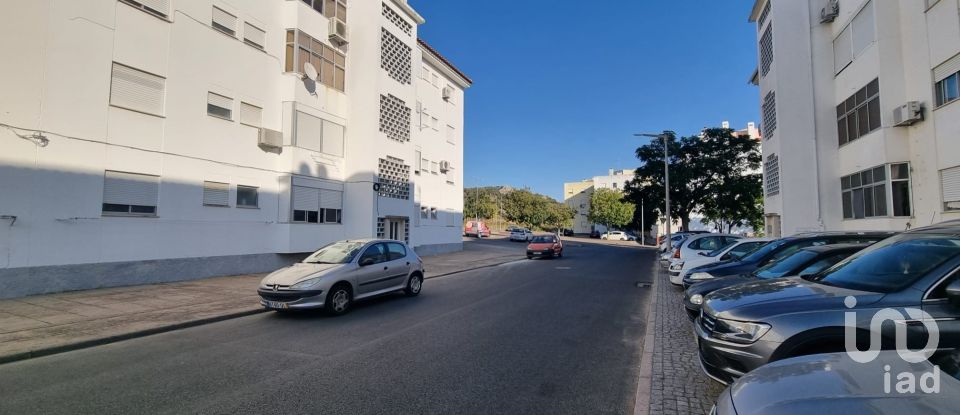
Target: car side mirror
[[953, 292], [367, 261]]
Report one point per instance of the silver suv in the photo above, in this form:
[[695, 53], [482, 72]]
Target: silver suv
[[342, 272]]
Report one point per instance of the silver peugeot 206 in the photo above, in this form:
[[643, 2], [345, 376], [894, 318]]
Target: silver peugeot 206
[[342, 272]]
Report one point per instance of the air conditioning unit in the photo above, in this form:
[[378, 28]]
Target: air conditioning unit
[[338, 31], [445, 166], [907, 114], [270, 138], [447, 93], [829, 13]]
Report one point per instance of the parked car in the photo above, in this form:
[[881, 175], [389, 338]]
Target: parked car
[[617, 236], [807, 261], [340, 273], [743, 327], [548, 246], [521, 234], [735, 250], [835, 384], [512, 228], [595, 234], [568, 232], [472, 229], [694, 245], [777, 250], [675, 237]]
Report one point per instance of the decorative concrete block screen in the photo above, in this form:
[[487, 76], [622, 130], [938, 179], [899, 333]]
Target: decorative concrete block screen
[[394, 178], [394, 118], [395, 57], [392, 16]]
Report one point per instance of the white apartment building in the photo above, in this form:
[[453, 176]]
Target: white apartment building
[[145, 141], [859, 121], [577, 195]]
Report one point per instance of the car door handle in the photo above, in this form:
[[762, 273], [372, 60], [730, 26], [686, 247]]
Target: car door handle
[[408, 262], [385, 268]]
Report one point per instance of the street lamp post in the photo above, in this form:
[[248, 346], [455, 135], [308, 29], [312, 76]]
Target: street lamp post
[[666, 172]]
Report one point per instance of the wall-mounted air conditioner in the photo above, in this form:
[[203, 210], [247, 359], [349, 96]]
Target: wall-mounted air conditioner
[[339, 33], [907, 114], [270, 138], [830, 12], [445, 166], [447, 93]]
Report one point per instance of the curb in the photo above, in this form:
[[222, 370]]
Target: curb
[[475, 268], [641, 405], [120, 337]]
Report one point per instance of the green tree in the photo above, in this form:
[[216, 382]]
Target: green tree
[[535, 211], [608, 207], [479, 203]]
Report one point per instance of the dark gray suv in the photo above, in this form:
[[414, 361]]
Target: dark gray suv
[[746, 326]]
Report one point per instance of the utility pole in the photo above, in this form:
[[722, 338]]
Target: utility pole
[[643, 228], [666, 172]]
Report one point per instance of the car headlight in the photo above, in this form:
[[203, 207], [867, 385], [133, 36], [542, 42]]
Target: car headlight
[[700, 276], [306, 284], [696, 299], [739, 331]]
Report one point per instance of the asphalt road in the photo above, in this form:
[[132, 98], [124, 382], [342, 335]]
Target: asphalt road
[[541, 336]]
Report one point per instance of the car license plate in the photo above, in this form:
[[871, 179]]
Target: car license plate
[[276, 304]]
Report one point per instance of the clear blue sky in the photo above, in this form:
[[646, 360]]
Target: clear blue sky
[[560, 86]]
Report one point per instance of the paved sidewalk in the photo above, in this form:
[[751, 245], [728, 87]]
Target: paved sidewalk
[[677, 384], [47, 324]]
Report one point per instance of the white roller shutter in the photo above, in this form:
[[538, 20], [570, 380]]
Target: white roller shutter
[[946, 69], [842, 50], [223, 21], [219, 100], [136, 90], [863, 29], [130, 189], [158, 6], [309, 131], [216, 194], [306, 198], [333, 138], [331, 199], [251, 114], [950, 180], [254, 35]]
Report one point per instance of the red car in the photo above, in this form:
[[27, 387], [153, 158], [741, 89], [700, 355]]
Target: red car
[[545, 246], [470, 229]]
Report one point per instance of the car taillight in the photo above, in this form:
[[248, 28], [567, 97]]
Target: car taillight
[[676, 254]]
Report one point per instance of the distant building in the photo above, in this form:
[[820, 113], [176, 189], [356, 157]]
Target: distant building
[[577, 196]]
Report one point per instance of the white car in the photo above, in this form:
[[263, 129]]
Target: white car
[[521, 234], [679, 269], [617, 236], [695, 244]]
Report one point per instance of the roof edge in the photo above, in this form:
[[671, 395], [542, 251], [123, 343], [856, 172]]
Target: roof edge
[[755, 12], [402, 4], [464, 80]]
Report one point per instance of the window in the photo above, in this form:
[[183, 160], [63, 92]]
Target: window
[[219, 106], [376, 253], [329, 63], [254, 36], [435, 123], [424, 212], [433, 213], [425, 165], [395, 57], [950, 183], [394, 17], [859, 115], [224, 22], [864, 194], [311, 205], [434, 167], [771, 175], [309, 132], [394, 178], [216, 194], [251, 115], [947, 77], [396, 251], [333, 135], [136, 90], [154, 7], [130, 194], [247, 197], [394, 118], [769, 114], [854, 38], [417, 161], [329, 8], [766, 50]]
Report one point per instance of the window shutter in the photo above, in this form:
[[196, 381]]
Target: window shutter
[[863, 29], [950, 180], [306, 198], [253, 34], [331, 199], [136, 90], [309, 131], [225, 20], [251, 114], [219, 100], [159, 6], [130, 189], [216, 194], [946, 69], [333, 138], [842, 50]]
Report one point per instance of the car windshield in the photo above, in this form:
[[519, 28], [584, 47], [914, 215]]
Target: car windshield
[[543, 240], [720, 250], [335, 253], [784, 266], [763, 252], [892, 264]]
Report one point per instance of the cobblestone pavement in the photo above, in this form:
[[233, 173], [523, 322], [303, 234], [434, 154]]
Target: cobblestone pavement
[[678, 385]]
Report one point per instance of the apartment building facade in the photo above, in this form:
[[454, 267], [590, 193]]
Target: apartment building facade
[[859, 122], [577, 195], [157, 140]]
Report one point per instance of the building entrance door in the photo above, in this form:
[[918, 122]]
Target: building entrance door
[[395, 228]]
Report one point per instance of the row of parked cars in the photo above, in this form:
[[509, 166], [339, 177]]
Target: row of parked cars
[[771, 318]]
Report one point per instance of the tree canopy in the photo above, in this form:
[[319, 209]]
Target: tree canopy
[[607, 207], [522, 207]]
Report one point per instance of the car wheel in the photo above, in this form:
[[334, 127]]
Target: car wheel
[[339, 300], [414, 285], [560, 254]]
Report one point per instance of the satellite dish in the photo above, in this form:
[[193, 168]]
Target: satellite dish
[[309, 71]]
